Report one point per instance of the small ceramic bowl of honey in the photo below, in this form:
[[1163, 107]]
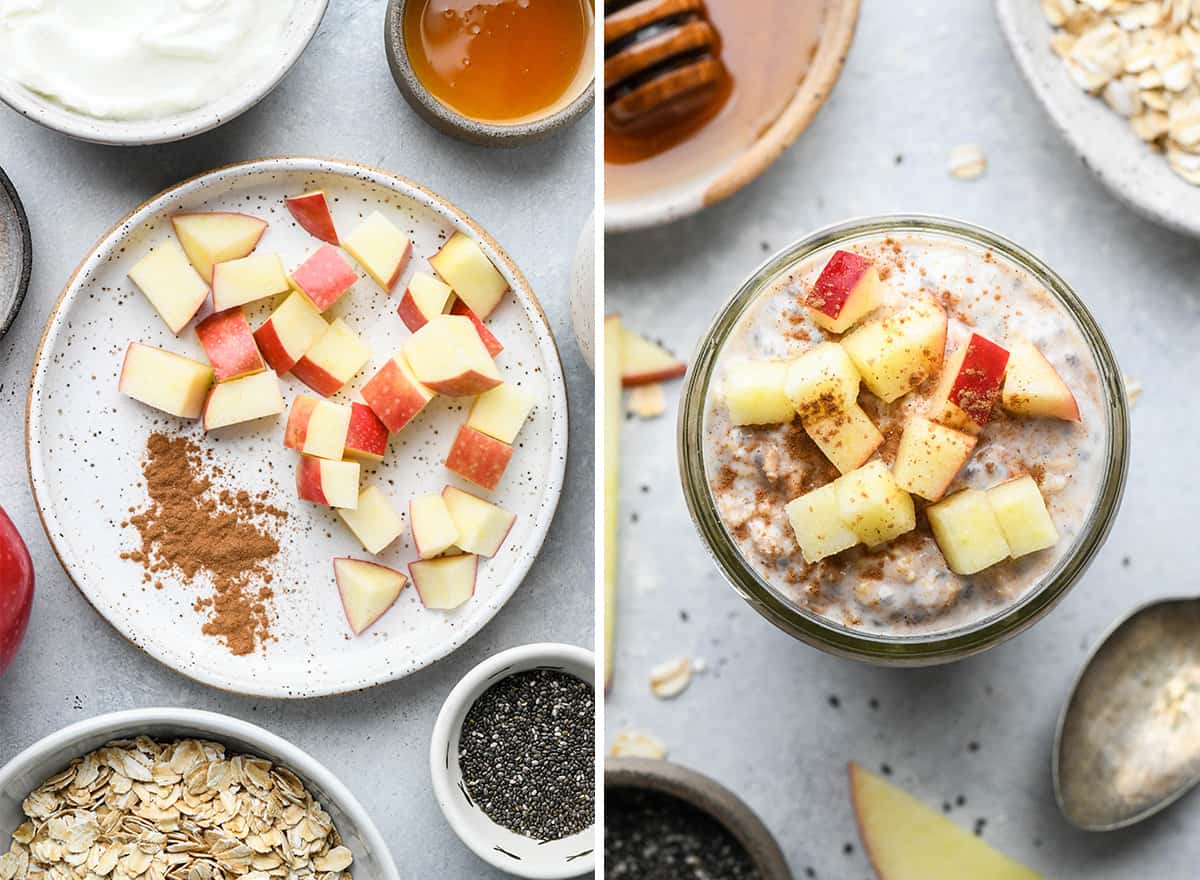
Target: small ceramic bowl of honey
[[500, 73]]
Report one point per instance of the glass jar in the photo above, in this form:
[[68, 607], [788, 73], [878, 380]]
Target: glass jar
[[823, 632]]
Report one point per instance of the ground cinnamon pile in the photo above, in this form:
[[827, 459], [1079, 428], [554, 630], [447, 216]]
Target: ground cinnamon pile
[[191, 528]]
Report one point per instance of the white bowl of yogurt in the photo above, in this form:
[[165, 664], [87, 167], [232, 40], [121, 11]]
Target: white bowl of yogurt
[[129, 72]]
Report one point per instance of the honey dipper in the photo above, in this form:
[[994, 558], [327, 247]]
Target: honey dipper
[[661, 61]]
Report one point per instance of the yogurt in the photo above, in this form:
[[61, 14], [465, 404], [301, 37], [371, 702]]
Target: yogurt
[[135, 59]]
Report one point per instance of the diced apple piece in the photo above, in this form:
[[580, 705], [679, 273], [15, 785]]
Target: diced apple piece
[[311, 211], [374, 522], [898, 354], [447, 356], [464, 266], [171, 284], [1032, 387], [334, 359], [482, 526], [929, 457], [226, 339], [874, 506], [380, 248], [165, 381], [332, 483], [968, 532], [290, 332], [237, 282], [324, 277], [489, 340], [848, 438], [367, 589], [367, 437], [479, 458], [817, 522], [906, 840], [754, 393], [433, 530], [243, 400], [424, 298], [317, 427], [395, 395], [970, 385], [501, 412], [211, 237], [847, 290], [1021, 511], [643, 361], [446, 582], [611, 418], [822, 381]]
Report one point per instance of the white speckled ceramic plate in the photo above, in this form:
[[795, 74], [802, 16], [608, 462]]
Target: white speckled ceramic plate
[[86, 444], [1133, 171]]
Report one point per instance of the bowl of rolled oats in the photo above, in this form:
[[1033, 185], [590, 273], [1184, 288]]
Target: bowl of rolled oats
[[180, 794]]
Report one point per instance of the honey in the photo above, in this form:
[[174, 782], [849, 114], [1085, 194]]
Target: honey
[[500, 61]]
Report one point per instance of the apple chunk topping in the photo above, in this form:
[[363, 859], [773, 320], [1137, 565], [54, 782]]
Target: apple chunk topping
[[501, 412], [311, 211], [482, 526], [290, 332], [1032, 387], [424, 298], [847, 437], [1021, 511], [489, 340], [817, 522], [211, 237], [822, 381], [247, 280], [243, 400], [970, 385], [847, 290], [968, 532], [367, 590], [479, 458], [333, 360], [448, 357], [898, 354], [445, 583], [165, 381], [324, 277], [374, 521], [367, 436], [170, 284], [226, 339], [380, 248], [395, 394], [332, 483], [644, 362], [929, 457], [317, 427], [463, 265], [433, 529], [754, 393], [874, 506]]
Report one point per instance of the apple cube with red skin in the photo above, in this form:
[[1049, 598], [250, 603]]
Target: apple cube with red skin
[[290, 332], [332, 483], [395, 394], [967, 532], [873, 505], [367, 437], [929, 457], [489, 340], [445, 583], [755, 393], [644, 362], [171, 285], [501, 412], [1032, 387], [463, 265], [333, 360], [367, 590], [447, 356], [970, 385], [311, 211], [237, 282], [380, 248], [374, 522], [243, 400], [165, 381], [822, 381], [482, 526], [317, 427], [424, 298], [211, 237], [817, 523], [433, 530], [1021, 511], [479, 458], [847, 437], [226, 339], [324, 277], [847, 290], [16, 590], [898, 354]]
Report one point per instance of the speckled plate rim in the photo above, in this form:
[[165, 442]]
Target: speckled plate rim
[[26, 270], [74, 568]]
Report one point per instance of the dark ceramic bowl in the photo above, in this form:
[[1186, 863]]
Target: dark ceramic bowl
[[709, 797], [451, 122], [16, 253]]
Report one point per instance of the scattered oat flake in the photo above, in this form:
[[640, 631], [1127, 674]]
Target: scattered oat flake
[[648, 401], [1133, 390], [634, 744], [967, 162], [669, 680]]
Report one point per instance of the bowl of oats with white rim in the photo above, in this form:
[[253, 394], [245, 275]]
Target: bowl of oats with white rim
[[180, 794]]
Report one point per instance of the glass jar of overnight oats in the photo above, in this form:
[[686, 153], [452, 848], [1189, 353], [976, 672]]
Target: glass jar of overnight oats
[[899, 602]]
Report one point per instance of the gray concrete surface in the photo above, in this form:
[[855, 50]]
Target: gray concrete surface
[[922, 77], [338, 101]]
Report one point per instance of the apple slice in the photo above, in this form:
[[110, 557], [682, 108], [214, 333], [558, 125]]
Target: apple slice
[[380, 248], [367, 589], [424, 298], [754, 393], [822, 382], [898, 354], [874, 506], [929, 457], [446, 582], [171, 285], [165, 381], [501, 412], [464, 266], [243, 400], [374, 522], [311, 211], [324, 277], [643, 361], [433, 530], [211, 237], [482, 526], [1021, 511], [237, 282], [447, 356], [290, 332], [226, 339], [489, 340], [317, 427], [395, 395], [333, 360], [611, 415], [847, 290], [332, 483], [1032, 387], [817, 522], [367, 437], [970, 385], [968, 532], [848, 438], [906, 840], [479, 458]]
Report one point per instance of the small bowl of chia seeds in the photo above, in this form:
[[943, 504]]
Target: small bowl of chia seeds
[[513, 760]]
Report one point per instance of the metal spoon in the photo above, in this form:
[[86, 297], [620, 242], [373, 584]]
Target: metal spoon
[[1128, 741]]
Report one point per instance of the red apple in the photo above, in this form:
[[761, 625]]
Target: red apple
[[479, 458], [970, 385], [464, 266], [490, 342], [211, 237], [333, 359], [290, 332], [446, 582], [1032, 387], [367, 590], [424, 298], [226, 339], [848, 289], [448, 357], [332, 483], [644, 362], [395, 395], [16, 590], [311, 211], [367, 438], [324, 277]]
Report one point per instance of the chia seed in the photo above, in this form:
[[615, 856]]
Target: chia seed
[[527, 752]]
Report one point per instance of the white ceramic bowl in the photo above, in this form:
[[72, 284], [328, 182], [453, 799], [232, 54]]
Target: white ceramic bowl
[[572, 856], [48, 756], [301, 26]]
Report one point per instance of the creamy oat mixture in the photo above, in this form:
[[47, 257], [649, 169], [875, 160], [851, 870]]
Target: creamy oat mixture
[[905, 588]]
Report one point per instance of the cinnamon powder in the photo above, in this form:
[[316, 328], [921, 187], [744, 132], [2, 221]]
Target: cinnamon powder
[[190, 528]]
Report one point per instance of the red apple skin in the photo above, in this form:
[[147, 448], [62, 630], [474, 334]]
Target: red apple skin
[[16, 590], [367, 438], [324, 277], [401, 265], [507, 532], [316, 377], [308, 481], [836, 282], [296, 431], [977, 385], [479, 458], [271, 348], [490, 342], [393, 397], [632, 380], [229, 344], [311, 211], [412, 316]]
